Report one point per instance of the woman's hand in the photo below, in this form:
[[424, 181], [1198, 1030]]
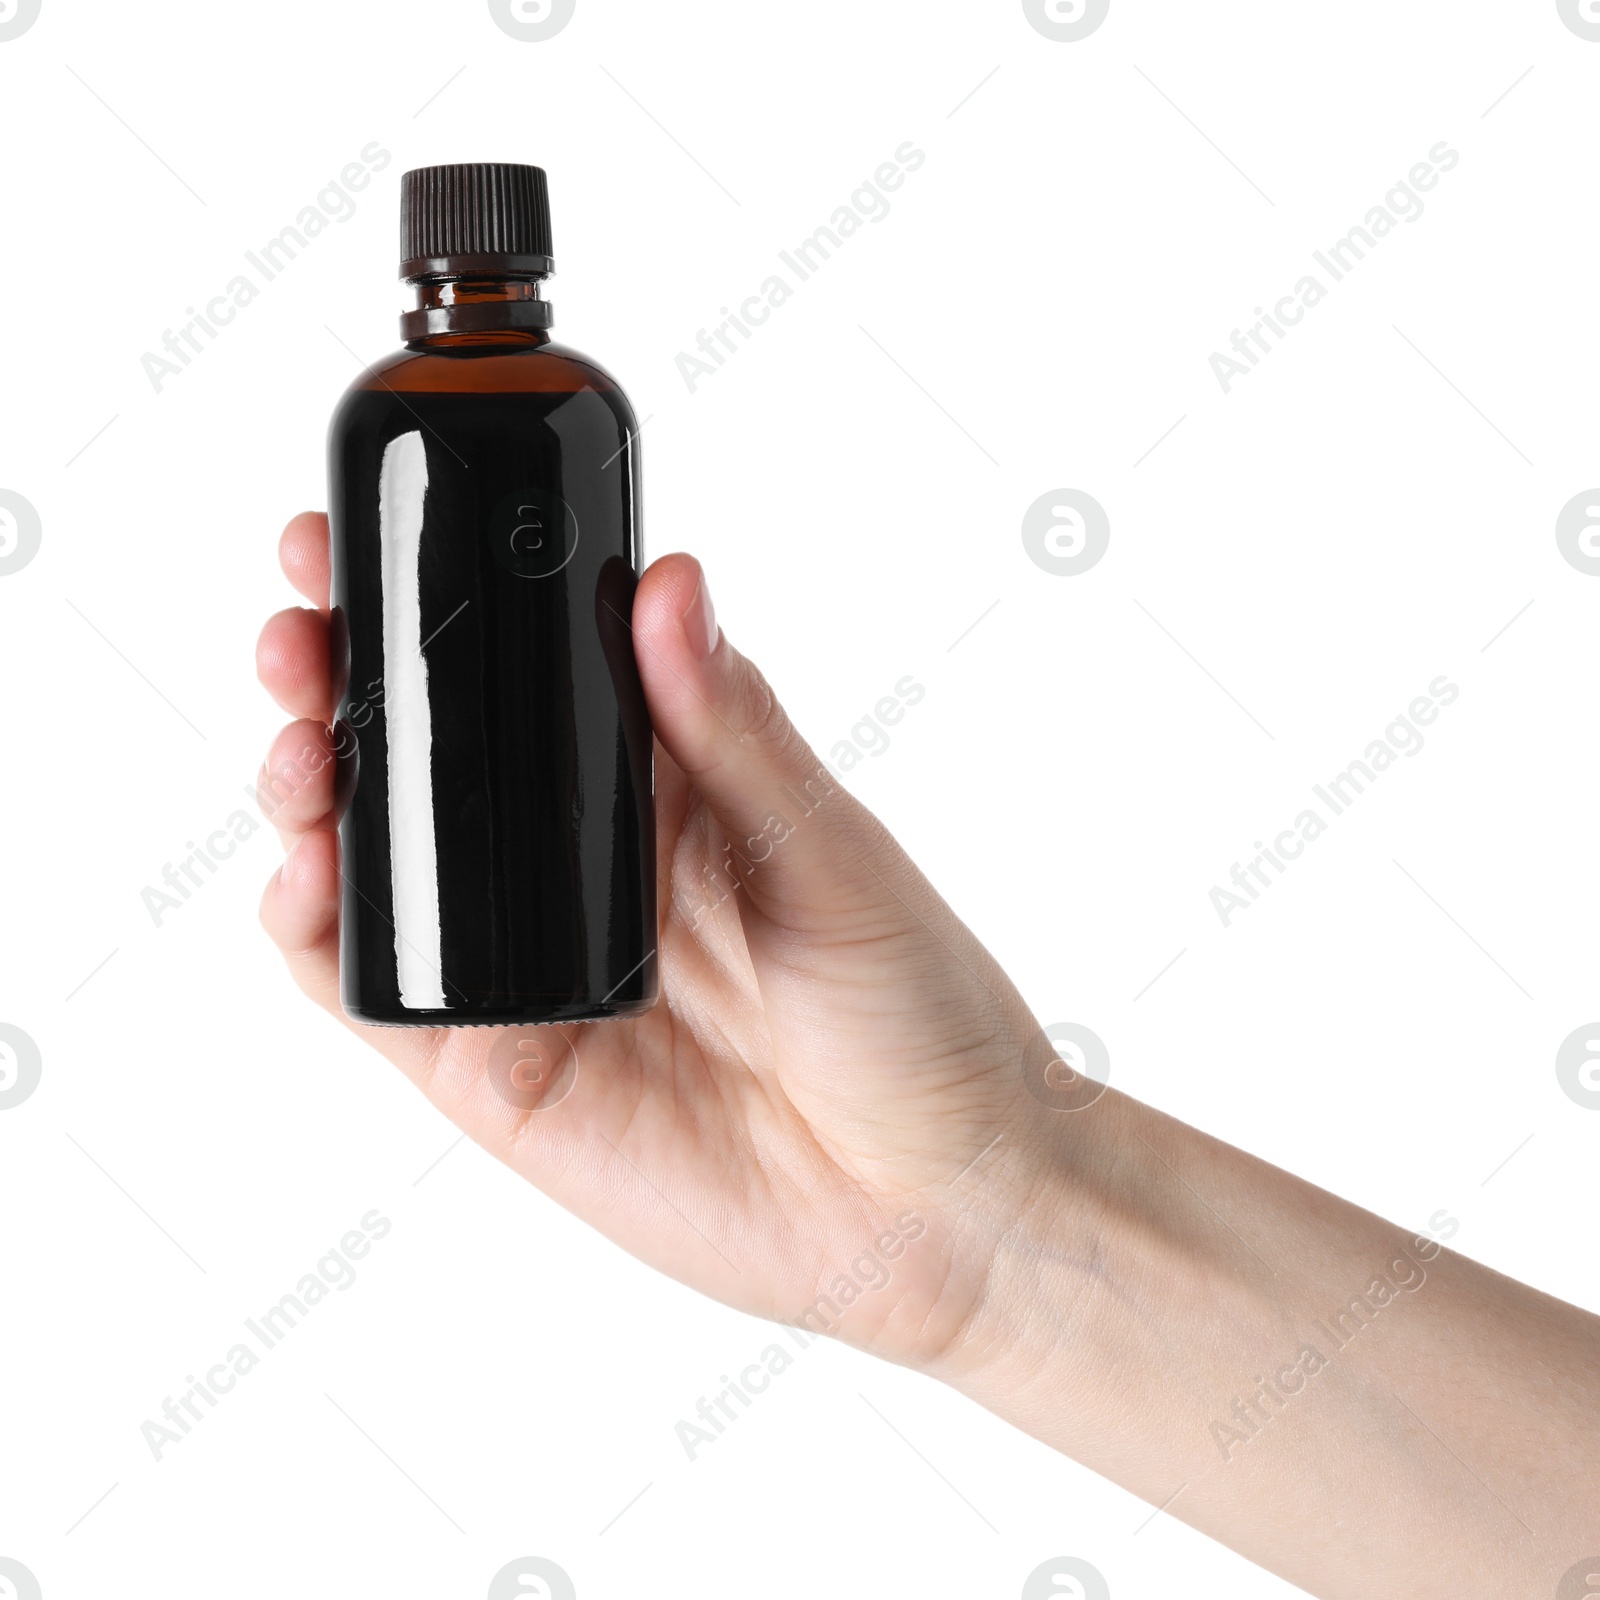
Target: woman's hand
[[827, 1119], [829, 1088]]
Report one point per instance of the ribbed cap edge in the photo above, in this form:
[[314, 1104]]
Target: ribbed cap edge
[[474, 209]]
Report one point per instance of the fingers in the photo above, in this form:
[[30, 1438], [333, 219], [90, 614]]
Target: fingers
[[300, 911], [295, 787], [294, 652], [303, 553], [804, 849], [294, 662]]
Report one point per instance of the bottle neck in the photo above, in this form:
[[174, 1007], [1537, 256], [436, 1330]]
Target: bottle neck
[[471, 307]]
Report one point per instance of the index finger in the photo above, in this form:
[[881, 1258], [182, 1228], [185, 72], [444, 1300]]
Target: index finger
[[303, 554]]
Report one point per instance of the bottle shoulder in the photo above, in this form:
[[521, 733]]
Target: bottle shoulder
[[487, 368], [540, 376]]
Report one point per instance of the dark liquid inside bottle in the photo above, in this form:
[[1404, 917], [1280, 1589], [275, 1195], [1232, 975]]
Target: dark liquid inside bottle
[[498, 844]]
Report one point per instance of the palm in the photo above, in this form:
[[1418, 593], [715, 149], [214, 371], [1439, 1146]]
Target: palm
[[683, 1096]]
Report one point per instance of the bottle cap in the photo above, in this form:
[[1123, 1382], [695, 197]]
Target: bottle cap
[[475, 216]]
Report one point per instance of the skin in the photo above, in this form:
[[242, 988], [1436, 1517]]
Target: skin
[[838, 1072]]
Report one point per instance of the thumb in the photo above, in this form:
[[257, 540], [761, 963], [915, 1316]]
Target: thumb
[[804, 849]]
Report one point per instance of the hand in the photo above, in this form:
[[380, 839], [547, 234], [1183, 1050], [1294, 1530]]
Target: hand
[[832, 1050], [826, 1120]]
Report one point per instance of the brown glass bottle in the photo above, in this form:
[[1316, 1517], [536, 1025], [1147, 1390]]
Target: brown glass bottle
[[498, 844]]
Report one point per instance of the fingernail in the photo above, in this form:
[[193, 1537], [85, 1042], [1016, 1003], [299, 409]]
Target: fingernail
[[700, 622]]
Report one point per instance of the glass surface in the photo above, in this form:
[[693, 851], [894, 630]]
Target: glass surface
[[498, 841]]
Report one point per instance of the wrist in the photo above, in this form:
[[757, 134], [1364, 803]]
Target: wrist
[[1153, 1275], [1051, 1217], [1110, 1263]]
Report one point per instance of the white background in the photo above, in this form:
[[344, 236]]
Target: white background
[[1364, 512]]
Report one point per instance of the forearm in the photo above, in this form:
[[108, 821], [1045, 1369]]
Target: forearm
[[1351, 1407]]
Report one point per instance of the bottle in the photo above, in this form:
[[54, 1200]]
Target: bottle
[[498, 840]]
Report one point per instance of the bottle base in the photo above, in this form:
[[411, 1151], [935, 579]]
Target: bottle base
[[499, 1017]]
